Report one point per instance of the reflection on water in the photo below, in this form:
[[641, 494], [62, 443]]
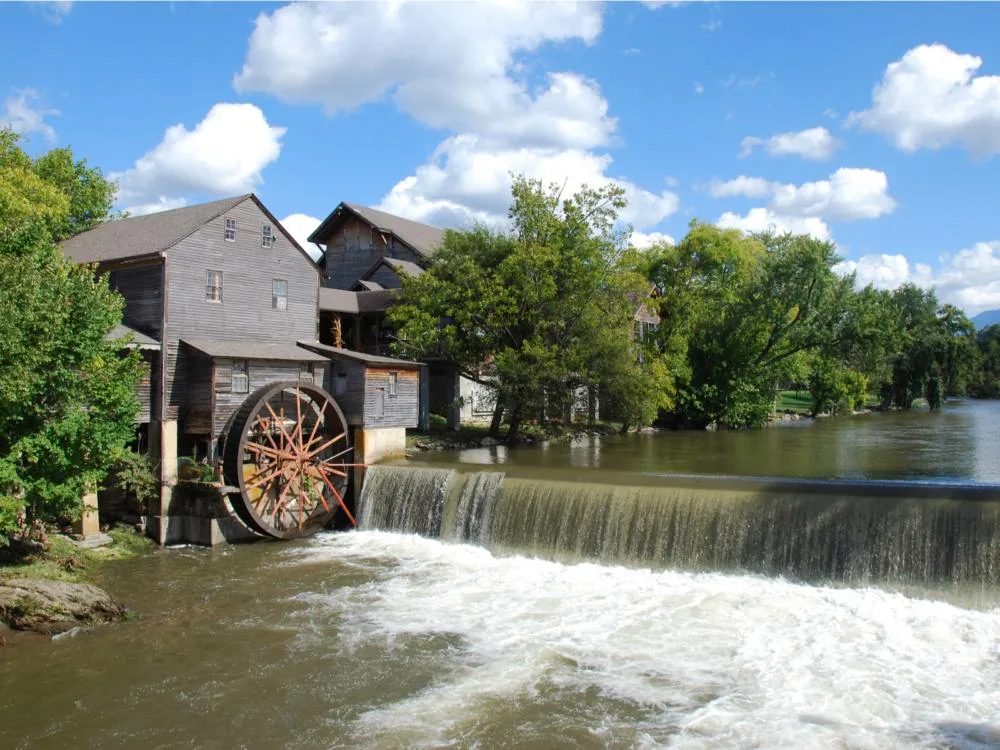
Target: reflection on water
[[959, 443]]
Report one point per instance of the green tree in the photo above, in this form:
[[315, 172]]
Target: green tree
[[533, 312], [67, 395], [744, 310]]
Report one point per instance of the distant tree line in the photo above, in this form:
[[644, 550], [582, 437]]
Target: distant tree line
[[546, 307]]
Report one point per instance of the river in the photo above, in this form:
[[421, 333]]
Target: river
[[379, 639], [961, 443]]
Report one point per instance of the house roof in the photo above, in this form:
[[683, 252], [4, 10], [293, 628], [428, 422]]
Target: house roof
[[220, 348], [408, 267], [423, 238], [344, 301], [119, 239], [368, 359], [152, 234], [139, 340], [368, 286]]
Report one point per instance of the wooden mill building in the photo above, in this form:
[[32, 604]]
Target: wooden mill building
[[218, 297]]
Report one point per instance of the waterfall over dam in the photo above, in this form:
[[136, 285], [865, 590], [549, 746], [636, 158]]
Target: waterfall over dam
[[812, 530]]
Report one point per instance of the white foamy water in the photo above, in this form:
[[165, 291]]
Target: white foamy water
[[587, 655]]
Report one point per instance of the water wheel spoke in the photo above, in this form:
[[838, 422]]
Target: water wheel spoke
[[319, 418], [267, 450], [325, 445], [286, 439], [265, 429], [289, 461], [337, 495]]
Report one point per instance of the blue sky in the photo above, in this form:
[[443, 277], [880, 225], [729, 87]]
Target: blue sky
[[739, 113]]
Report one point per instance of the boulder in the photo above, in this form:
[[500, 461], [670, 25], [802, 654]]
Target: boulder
[[52, 607]]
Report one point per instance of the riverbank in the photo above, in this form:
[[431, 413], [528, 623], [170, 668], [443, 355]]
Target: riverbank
[[48, 588]]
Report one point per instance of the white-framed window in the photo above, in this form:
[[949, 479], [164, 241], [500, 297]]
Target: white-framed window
[[241, 376], [392, 385], [279, 294], [230, 234], [266, 236], [213, 286]]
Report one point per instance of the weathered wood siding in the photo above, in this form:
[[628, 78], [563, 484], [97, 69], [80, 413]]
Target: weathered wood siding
[[245, 312], [142, 288], [196, 414], [383, 410], [351, 396], [261, 372], [145, 387], [354, 248]]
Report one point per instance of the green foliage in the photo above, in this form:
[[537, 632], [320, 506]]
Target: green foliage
[[537, 311], [986, 381], [836, 389], [67, 396], [743, 312]]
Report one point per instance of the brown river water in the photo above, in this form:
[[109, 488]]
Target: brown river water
[[445, 621]]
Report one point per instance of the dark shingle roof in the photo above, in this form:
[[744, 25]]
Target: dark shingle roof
[[143, 235], [368, 286], [344, 301], [252, 350], [423, 238], [368, 359], [407, 267], [139, 340]]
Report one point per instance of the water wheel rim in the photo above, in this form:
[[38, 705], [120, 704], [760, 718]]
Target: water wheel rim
[[292, 474]]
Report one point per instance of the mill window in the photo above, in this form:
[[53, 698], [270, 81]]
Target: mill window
[[230, 230], [241, 376], [392, 385], [279, 294], [213, 286], [266, 236]]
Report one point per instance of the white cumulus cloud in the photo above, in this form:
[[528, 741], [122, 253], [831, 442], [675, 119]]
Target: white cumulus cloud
[[300, 226], [162, 203], [224, 154], [448, 65], [763, 220], [468, 179], [751, 187], [461, 68], [932, 98], [969, 279], [23, 113], [848, 194], [644, 240], [816, 144]]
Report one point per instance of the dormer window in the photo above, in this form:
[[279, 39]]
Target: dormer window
[[230, 230], [266, 236]]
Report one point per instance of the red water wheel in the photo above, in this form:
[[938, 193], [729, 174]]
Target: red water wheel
[[288, 450]]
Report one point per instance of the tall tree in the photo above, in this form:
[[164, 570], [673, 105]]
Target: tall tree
[[67, 395], [535, 311]]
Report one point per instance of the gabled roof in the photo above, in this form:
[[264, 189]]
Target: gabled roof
[[367, 286], [406, 266], [220, 348], [143, 235], [423, 238], [152, 234], [344, 301], [368, 359]]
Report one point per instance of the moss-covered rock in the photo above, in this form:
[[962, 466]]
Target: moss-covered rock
[[51, 607]]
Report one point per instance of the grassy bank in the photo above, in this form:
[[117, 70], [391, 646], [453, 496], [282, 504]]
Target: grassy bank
[[61, 560]]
